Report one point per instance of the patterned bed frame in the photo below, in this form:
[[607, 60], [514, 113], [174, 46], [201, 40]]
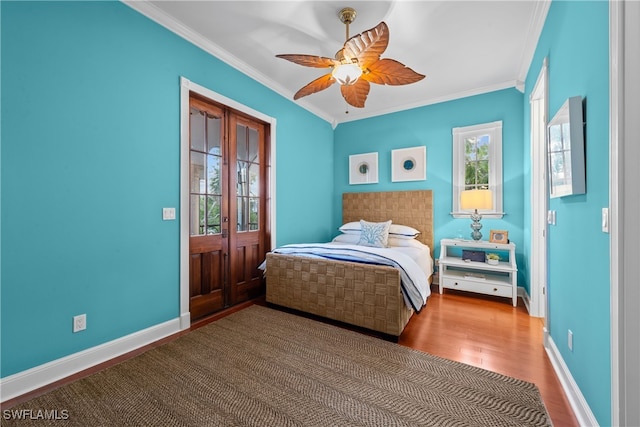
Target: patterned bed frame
[[363, 295]]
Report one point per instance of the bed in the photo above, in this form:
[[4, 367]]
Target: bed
[[363, 295]]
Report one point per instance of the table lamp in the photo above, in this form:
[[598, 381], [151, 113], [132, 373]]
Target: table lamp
[[472, 200]]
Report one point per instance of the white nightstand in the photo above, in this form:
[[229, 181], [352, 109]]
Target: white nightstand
[[475, 276]]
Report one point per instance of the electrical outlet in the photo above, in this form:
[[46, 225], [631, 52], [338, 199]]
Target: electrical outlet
[[79, 322], [570, 339]]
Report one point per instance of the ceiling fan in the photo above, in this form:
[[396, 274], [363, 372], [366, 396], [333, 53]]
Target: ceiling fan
[[356, 65]]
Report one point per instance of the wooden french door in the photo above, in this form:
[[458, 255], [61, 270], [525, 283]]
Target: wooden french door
[[229, 227]]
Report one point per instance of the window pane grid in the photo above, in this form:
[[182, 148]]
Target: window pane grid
[[476, 165], [206, 177], [248, 178]]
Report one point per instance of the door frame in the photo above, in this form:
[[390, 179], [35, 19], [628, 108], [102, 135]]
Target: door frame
[[538, 101], [624, 107], [187, 86]]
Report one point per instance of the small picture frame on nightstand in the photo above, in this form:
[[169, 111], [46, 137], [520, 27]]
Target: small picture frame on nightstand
[[499, 236]]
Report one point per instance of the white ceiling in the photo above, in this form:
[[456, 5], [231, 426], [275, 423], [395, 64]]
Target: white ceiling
[[463, 47]]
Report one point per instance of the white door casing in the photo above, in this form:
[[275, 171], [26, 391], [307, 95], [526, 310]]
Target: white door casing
[[539, 196]]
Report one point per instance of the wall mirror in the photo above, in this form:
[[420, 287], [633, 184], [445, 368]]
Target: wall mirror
[[565, 150]]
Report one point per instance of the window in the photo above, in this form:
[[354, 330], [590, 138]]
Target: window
[[477, 163]]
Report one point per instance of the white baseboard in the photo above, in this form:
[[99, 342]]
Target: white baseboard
[[574, 395], [23, 382], [522, 293], [185, 320]]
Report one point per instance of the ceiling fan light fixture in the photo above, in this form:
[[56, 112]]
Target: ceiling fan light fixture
[[346, 74], [356, 65]]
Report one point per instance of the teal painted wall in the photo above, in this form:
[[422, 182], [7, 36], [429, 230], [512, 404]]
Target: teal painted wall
[[575, 39], [432, 126], [90, 156]]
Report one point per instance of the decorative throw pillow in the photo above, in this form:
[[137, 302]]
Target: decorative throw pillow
[[374, 234]]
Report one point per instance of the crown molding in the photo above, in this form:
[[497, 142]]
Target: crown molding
[[157, 15], [533, 35], [148, 9], [436, 100]]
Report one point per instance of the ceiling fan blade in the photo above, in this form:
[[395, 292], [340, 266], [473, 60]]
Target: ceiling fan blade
[[356, 94], [309, 60], [390, 72], [367, 46], [321, 83]]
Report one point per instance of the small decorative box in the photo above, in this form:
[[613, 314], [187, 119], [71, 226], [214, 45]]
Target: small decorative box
[[470, 255]]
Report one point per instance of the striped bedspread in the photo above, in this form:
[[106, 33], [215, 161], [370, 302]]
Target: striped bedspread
[[414, 282]]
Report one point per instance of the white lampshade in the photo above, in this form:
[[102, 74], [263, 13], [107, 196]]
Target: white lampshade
[[346, 74], [476, 199]]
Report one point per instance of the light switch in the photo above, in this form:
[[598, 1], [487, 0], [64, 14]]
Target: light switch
[[605, 220], [551, 217], [168, 214]]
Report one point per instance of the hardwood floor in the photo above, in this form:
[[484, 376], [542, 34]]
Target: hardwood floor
[[481, 331], [489, 333]]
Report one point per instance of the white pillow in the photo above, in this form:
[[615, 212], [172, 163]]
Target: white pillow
[[350, 228], [404, 242], [403, 231], [352, 239], [396, 230], [375, 234]]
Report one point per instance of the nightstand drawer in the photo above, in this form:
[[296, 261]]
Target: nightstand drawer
[[478, 286]]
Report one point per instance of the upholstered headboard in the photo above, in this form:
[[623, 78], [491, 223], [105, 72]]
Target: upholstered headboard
[[413, 208]]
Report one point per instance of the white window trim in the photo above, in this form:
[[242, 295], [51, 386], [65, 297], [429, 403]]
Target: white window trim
[[494, 129]]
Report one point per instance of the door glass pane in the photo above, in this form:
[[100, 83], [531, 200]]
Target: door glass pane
[[242, 178], [196, 221], [213, 214], [243, 212], [197, 129], [253, 146], [254, 203], [254, 179], [197, 172], [241, 142], [213, 134], [213, 175]]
